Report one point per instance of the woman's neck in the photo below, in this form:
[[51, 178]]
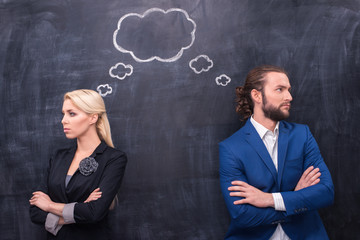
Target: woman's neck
[[88, 143]]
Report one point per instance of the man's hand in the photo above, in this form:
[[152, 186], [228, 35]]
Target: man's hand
[[251, 195], [41, 200], [95, 195], [309, 178]]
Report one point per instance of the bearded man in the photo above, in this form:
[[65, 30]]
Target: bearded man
[[273, 177]]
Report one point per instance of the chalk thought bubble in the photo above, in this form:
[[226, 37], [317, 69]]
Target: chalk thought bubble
[[201, 63], [104, 89], [223, 80], [121, 71], [155, 35]]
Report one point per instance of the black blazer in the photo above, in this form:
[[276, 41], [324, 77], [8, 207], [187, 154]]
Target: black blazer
[[91, 218]]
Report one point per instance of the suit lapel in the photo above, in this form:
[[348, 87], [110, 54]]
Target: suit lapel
[[65, 168], [100, 149], [282, 149], [253, 138], [70, 156]]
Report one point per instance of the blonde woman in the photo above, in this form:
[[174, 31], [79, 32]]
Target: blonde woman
[[82, 181]]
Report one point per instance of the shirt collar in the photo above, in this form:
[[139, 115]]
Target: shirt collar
[[261, 130]]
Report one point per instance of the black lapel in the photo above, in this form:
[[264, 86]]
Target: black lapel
[[100, 149], [69, 156]]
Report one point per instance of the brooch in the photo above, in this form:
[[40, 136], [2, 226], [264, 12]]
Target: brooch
[[87, 166]]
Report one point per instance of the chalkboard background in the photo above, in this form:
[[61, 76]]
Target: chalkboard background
[[169, 113]]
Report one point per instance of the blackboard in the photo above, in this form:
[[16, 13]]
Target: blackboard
[[168, 70]]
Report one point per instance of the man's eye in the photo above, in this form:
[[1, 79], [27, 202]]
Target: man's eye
[[279, 89]]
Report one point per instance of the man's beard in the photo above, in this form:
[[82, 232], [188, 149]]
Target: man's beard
[[273, 112]]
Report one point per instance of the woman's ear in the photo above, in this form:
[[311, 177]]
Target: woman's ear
[[94, 118], [256, 96]]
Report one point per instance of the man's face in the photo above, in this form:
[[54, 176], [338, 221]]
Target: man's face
[[276, 96]]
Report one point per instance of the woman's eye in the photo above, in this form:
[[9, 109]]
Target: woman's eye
[[72, 114]]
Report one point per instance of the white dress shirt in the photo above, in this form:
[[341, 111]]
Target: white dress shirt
[[270, 139]]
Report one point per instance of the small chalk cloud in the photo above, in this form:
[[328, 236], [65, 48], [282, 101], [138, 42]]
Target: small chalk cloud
[[104, 89], [121, 71], [223, 80], [155, 35], [201, 63]]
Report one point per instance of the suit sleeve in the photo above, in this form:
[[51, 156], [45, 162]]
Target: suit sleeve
[[313, 197], [36, 214], [110, 182], [244, 215]]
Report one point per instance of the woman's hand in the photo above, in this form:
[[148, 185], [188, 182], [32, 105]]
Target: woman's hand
[[95, 195], [41, 200]]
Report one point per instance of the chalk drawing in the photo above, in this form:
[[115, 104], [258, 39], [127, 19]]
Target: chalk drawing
[[104, 89], [121, 71], [201, 63], [223, 80], [163, 34]]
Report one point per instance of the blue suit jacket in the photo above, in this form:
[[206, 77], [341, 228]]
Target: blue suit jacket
[[243, 156]]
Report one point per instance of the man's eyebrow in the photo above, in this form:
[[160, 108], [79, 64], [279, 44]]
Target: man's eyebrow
[[282, 86]]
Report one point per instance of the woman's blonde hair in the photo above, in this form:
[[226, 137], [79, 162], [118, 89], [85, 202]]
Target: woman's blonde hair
[[91, 102]]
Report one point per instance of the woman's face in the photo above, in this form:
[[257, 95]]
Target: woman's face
[[76, 122]]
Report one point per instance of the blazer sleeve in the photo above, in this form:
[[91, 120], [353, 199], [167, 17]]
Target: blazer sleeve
[[313, 197], [110, 182], [36, 214], [244, 215]]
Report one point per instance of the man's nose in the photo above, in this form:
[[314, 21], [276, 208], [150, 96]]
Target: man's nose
[[289, 97]]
